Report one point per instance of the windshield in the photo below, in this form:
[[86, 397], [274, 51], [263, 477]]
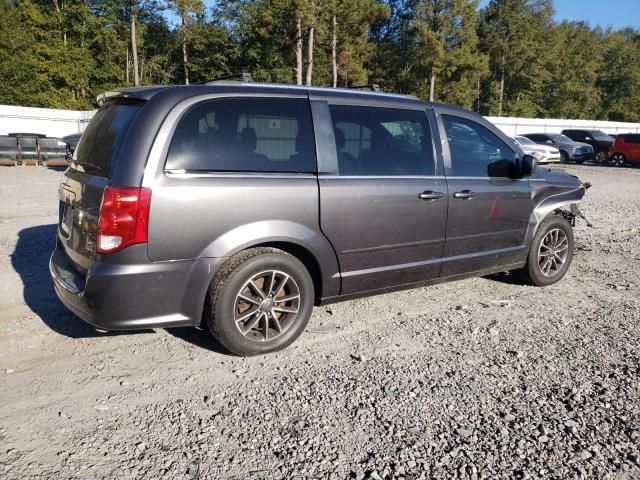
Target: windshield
[[525, 141], [102, 138], [559, 138], [599, 135]]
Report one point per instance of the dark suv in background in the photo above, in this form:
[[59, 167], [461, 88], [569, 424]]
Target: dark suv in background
[[570, 150], [600, 141], [239, 206]]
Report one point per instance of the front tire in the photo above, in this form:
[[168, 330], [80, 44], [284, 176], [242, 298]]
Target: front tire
[[551, 252], [260, 302], [564, 157], [601, 156]]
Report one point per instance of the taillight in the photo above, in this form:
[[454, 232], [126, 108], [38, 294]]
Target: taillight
[[124, 217]]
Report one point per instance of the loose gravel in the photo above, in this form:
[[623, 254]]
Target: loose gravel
[[481, 378]]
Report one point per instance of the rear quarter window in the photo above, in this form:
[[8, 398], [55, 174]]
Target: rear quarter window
[[245, 135], [98, 150]]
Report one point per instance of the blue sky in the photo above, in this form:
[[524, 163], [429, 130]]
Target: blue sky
[[615, 13]]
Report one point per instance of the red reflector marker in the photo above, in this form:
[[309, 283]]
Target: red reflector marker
[[124, 218]]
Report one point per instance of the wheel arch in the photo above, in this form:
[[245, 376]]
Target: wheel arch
[[552, 205], [305, 256], [308, 245]]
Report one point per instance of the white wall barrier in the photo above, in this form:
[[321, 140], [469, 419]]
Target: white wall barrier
[[58, 123], [53, 123], [517, 126]]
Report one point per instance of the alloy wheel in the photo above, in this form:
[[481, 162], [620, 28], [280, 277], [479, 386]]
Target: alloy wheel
[[267, 305], [618, 160], [601, 156], [553, 252]]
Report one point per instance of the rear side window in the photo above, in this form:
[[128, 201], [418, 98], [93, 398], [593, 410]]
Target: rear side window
[[631, 138], [101, 141], [245, 135], [476, 151], [382, 141]]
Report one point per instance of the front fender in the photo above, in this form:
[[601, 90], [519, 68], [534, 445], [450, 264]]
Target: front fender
[[554, 202], [549, 200]]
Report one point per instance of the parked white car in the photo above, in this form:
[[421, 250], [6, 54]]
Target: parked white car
[[542, 153]]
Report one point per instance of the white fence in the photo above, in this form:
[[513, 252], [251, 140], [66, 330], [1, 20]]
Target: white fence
[[58, 123], [53, 123], [517, 126]]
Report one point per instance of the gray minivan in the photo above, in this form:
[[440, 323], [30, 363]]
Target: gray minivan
[[238, 206]]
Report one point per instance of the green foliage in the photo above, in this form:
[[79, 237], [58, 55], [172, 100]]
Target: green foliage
[[508, 58]]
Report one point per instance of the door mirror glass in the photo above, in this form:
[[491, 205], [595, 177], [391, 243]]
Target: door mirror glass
[[528, 165]]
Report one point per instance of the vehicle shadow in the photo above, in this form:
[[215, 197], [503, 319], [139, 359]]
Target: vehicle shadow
[[199, 338], [30, 260], [509, 278], [56, 168]]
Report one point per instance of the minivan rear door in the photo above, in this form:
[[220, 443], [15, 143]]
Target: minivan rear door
[[382, 205], [83, 183]]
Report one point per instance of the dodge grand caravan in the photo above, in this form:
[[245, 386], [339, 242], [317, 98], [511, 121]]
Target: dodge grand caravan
[[238, 206]]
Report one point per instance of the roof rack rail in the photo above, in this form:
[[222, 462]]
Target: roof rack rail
[[244, 76], [374, 87]]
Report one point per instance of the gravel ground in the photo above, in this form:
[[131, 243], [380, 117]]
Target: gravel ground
[[481, 378]]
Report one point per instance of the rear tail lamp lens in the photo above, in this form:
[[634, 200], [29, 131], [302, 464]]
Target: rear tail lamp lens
[[124, 218]]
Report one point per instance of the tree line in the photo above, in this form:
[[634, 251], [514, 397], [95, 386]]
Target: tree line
[[509, 58]]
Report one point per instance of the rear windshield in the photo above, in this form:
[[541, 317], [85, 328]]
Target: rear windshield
[[103, 137]]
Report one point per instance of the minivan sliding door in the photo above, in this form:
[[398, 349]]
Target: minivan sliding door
[[383, 208]]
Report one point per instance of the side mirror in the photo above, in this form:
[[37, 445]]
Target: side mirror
[[587, 138], [528, 165], [549, 142]]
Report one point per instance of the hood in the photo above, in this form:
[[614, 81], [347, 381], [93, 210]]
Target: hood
[[557, 176], [540, 148]]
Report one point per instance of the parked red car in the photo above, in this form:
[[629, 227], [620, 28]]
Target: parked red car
[[625, 150]]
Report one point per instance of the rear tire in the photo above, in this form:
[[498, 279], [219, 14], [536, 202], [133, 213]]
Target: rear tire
[[618, 160], [601, 156], [259, 302], [551, 252]]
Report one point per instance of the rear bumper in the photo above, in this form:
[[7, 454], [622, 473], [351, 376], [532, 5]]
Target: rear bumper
[[134, 296]]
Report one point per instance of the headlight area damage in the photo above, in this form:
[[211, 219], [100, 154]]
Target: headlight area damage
[[561, 198], [574, 212]]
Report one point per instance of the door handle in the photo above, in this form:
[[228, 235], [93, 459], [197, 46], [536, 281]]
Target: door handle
[[430, 195], [464, 194]]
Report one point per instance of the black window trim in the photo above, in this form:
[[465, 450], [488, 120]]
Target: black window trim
[[181, 109]]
